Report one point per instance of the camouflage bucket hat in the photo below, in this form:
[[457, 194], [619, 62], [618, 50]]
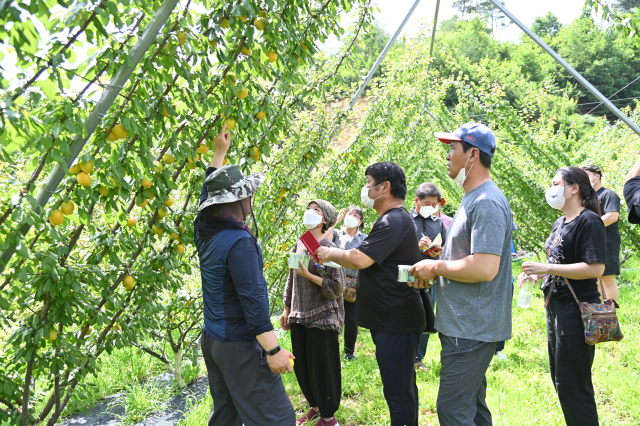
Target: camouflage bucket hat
[[228, 184]]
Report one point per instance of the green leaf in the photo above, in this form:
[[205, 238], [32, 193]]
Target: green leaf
[[49, 88]]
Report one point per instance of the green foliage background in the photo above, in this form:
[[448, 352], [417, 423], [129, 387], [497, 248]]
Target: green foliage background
[[68, 278]]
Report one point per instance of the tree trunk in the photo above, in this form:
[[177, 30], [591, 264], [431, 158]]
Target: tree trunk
[[177, 369]]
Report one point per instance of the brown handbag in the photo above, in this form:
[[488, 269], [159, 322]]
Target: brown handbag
[[600, 320]]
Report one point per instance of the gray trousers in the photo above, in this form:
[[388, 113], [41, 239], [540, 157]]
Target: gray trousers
[[243, 387], [463, 383]]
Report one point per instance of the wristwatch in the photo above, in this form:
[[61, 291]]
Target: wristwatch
[[274, 351]]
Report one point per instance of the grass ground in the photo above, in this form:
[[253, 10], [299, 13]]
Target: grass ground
[[519, 392]]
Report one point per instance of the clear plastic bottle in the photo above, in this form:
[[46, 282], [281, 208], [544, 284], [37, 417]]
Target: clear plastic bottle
[[524, 298]]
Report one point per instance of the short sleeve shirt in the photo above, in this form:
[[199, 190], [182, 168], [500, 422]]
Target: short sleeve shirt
[[482, 310], [384, 304], [581, 240], [632, 197], [344, 241]]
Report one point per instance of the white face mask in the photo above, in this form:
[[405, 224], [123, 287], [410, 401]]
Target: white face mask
[[426, 211], [311, 219], [555, 196], [462, 174], [351, 221], [364, 196], [593, 180]]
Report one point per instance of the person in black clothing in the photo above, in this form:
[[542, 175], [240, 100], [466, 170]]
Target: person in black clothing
[[428, 227], [576, 255], [632, 193], [392, 311], [610, 209]]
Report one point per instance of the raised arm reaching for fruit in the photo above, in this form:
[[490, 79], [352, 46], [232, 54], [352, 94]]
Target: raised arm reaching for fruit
[[221, 145]]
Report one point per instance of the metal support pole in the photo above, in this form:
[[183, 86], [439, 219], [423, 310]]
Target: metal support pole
[[569, 68], [99, 111], [375, 66], [433, 34]]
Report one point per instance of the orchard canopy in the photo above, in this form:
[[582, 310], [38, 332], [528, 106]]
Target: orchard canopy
[[109, 261]]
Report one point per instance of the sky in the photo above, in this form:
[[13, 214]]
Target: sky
[[392, 12]]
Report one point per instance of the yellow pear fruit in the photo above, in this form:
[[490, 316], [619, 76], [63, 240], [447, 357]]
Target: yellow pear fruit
[[158, 167], [148, 194], [75, 169], [242, 18], [131, 221], [146, 183], [112, 136], [175, 236], [291, 361], [168, 158], [354, 160], [231, 79], [261, 115], [181, 228], [191, 166], [162, 213], [262, 13], [104, 191], [53, 334], [142, 204], [229, 122], [180, 248], [203, 149], [128, 283], [273, 56], [260, 24], [245, 50], [86, 167], [182, 38], [164, 112], [157, 230], [308, 155], [244, 92], [68, 207], [225, 23], [304, 45], [84, 179], [56, 217], [168, 202], [225, 162], [213, 43], [120, 131]]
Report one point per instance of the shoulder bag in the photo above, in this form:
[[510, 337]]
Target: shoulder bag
[[599, 319]]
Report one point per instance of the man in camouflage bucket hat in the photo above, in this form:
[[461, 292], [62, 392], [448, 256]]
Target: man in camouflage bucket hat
[[239, 346]]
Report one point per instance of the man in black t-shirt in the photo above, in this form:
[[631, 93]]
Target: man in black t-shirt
[[391, 310], [610, 211], [632, 193]]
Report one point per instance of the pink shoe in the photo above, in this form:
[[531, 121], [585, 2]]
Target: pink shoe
[[311, 414], [332, 422]]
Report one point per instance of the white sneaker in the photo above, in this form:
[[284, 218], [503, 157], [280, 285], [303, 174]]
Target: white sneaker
[[501, 356]]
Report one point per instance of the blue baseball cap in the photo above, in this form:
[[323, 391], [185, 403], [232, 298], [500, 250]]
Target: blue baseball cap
[[475, 134]]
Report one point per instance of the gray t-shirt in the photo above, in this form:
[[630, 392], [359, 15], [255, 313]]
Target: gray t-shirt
[[478, 311]]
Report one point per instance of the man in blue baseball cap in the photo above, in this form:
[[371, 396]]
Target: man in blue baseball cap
[[474, 294]]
